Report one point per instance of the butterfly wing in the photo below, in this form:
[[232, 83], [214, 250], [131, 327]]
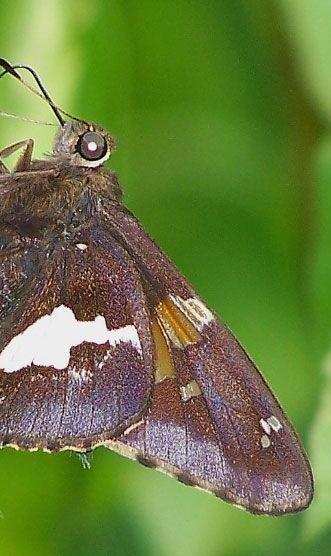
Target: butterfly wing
[[213, 422], [142, 366], [76, 355]]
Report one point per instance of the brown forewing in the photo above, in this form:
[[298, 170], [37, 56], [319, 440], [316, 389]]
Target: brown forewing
[[213, 440], [216, 436], [104, 388], [220, 440]]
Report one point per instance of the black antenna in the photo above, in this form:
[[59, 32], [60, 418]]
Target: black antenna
[[8, 68]]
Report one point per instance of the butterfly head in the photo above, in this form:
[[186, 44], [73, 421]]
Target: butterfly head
[[84, 144], [78, 142]]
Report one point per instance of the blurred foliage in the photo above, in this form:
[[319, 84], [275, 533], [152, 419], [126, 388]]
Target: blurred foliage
[[222, 110]]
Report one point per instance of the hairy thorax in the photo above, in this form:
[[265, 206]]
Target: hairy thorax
[[56, 197], [42, 216]]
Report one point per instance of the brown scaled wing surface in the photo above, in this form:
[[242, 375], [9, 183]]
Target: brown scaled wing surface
[[190, 402], [104, 388], [213, 439]]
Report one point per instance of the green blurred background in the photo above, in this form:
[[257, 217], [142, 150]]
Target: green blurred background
[[222, 111]]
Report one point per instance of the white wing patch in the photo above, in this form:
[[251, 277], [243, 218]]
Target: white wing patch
[[47, 342]]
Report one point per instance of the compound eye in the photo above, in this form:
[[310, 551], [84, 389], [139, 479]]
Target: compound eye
[[92, 145]]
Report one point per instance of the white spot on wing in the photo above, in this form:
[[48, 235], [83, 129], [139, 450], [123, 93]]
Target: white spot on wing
[[81, 246], [266, 427], [194, 310], [265, 441], [47, 342], [274, 423], [190, 391]]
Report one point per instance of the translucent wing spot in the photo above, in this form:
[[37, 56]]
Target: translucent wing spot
[[268, 425], [274, 423], [265, 425], [176, 324], [196, 312], [265, 441], [190, 391], [163, 359]]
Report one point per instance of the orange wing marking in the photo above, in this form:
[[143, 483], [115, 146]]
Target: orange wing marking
[[176, 325]]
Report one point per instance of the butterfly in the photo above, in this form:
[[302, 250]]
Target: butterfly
[[104, 343]]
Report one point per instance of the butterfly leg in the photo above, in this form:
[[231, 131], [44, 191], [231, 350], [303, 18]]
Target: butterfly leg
[[24, 161]]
